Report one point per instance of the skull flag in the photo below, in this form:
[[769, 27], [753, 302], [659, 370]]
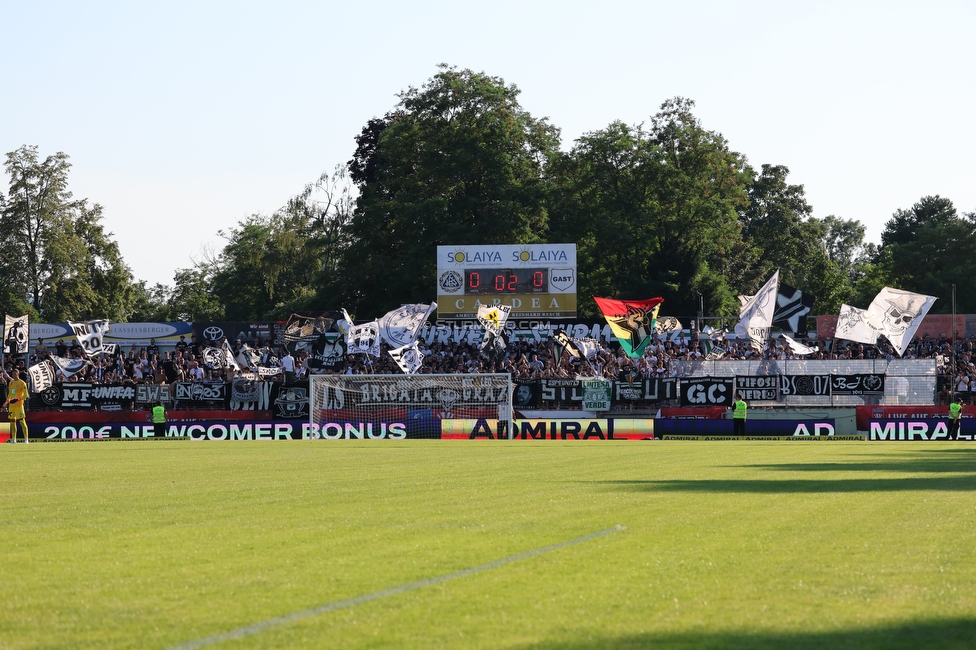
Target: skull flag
[[631, 321], [897, 314]]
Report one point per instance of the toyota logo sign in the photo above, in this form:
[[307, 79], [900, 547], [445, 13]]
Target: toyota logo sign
[[213, 333]]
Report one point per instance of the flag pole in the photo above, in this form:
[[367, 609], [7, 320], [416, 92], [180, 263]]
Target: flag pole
[[952, 378]]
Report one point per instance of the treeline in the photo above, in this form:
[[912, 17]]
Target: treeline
[[659, 208]]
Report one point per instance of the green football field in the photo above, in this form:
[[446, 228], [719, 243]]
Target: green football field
[[420, 544]]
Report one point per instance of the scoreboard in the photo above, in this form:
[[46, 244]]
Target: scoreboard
[[537, 280]]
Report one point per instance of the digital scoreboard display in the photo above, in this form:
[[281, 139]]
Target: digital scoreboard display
[[505, 281], [537, 280]]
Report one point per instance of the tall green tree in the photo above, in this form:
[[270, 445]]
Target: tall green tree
[[779, 226], [927, 248], [458, 162], [57, 254], [274, 265], [654, 212]]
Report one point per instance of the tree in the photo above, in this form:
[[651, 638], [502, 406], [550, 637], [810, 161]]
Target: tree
[[654, 212], [272, 266], [458, 162], [67, 266], [928, 248], [192, 297], [809, 252]]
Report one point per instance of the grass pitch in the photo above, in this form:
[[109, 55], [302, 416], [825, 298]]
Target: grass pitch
[[726, 545]]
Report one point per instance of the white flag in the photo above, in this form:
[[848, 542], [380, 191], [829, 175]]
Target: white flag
[[402, 326], [42, 376], [797, 347], [756, 315], [588, 347], [68, 367], [16, 334], [90, 335], [229, 360], [852, 325], [494, 318], [897, 314], [409, 358], [363, 339]]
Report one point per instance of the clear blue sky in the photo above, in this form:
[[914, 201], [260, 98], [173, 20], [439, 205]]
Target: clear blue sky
[[182, 118]]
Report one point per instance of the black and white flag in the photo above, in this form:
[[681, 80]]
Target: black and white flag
[[792, 307], [91, 335], [16, 334], [41, 375], [402, 326], [229, 360], [409, 358], [756, 314], [897, 314], [248, 357], [68, 367], [362, 339]]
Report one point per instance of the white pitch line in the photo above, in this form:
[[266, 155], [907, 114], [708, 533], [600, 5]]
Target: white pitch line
[[358, 600]]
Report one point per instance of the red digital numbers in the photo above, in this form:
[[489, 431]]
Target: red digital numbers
[[506, 281]]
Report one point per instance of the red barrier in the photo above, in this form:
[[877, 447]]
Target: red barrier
[[867, 413], [695, 412]]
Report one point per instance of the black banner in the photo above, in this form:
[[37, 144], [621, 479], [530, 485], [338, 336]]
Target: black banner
[[289, 401], [526, 394], [645, 390], [320, 336], [564, 392], [152, 393], [707, 391], [757, 389], [84, 395], [857, 384], [814, 385], [204, 394]]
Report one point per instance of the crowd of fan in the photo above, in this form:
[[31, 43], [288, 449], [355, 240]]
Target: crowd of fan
[[663, 357], [149, 364]]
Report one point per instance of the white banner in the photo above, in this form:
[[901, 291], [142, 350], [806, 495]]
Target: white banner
[[402, 326], [41, 376], [91, 335], [897, 314], [756, 315], [16, 334], [409, 358]]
